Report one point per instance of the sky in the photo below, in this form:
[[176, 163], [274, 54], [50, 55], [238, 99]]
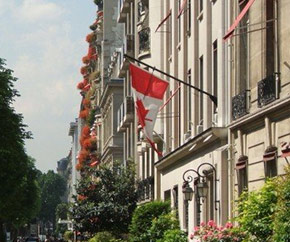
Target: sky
[[43, 41]]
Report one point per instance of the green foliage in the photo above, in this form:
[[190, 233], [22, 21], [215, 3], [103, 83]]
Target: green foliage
[[99, 3], [256, 210], [143, 219], [19, 193], [102, 237], [161, 224], [174, 235], [61, 211], [108, 201], [68, 235], [52, 188], [282, 216]]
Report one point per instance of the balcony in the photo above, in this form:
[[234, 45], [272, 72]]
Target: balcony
[[145, 189], [266, 91], [128, 48], [124, 9], [125, 114], [240, 105], [144, 41]]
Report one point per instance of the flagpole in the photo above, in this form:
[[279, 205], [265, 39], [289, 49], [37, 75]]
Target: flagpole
[[212, 98]]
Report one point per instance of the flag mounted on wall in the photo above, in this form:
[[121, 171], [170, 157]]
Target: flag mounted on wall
[[148, 93]]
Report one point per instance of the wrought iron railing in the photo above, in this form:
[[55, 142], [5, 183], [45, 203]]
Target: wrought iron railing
[[144, 40], [145, 189], [240, 105], [266, 91]]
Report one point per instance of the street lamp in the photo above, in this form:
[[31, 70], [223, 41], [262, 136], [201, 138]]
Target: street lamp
[[187, 191], [201, 185], [202, 188]]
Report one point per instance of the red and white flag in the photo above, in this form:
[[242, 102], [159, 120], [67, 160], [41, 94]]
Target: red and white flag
[[148, 93]]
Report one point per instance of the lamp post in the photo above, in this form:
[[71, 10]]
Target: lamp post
[[201, 186]]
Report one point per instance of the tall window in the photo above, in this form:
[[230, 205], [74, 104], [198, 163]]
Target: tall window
[[179, 22], [197, 211], [270, 38], [215, 71], [175, 199], [211, 197], [201, 87], [188, 101], [242, 75], [270, 161], [169, 29], [242, 174], [186, 215], [200, 7], [188, 17], [167, 195]]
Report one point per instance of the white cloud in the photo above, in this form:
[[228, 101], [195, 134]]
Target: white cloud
[[38, 10]]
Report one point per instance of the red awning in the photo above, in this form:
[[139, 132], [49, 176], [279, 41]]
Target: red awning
[[164, 20], [270, 153], [285, 149], [242, 162], [182, 7], [238, 19]]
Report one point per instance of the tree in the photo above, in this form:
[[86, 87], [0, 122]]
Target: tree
[[52, 187], [18, 190], [106, 202]]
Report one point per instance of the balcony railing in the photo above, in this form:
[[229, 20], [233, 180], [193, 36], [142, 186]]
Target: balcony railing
[[124, 8], [266, 91], [240, 105], [125, 114], [128, 48], [144, 40], [145, 189]]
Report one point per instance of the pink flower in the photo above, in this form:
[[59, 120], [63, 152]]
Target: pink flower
[[229, 225], [191, 236], [204, 237], [196, 228], [209, 233], [202, 224], [211, 223]]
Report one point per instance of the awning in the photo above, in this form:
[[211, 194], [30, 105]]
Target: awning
[[285, 149], [238, 19], [182, 7], [164, 20], [270, 153], [242, 162]]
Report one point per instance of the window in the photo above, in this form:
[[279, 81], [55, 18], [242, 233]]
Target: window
[[201, 87], [188, 101], [211, 197], [242, 174], [169, 29], [167, 195], [215, 72], [200, 7], [185, 207], [175, 199], [270, 38], [243, 55], [270, 161], [188, 17], [197, 211], [179, 23]]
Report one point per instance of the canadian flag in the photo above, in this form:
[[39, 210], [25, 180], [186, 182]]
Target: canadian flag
[[148, 91]]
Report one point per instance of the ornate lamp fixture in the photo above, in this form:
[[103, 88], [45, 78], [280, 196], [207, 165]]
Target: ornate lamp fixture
[[201, 185]]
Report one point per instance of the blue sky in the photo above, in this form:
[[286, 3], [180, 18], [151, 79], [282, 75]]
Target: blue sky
[[43, 41]]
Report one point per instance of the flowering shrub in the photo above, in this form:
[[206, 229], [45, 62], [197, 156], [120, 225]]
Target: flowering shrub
[[210, 232]]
